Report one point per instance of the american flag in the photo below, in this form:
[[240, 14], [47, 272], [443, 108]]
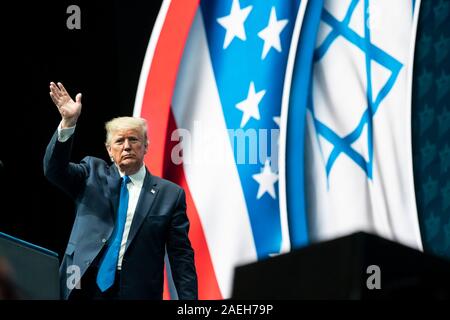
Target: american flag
[[212, 88]]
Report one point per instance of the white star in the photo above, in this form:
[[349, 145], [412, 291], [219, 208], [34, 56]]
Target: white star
[[266, 180], [271, 33], [276, 120], [249, 106], [234, 23]]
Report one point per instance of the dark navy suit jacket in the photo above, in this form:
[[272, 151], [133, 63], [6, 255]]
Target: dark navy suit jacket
[[160, 222]]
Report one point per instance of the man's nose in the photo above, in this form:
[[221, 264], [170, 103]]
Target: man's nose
[[127, 145]]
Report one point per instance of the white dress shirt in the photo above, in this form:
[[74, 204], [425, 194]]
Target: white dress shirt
[[134, 190]]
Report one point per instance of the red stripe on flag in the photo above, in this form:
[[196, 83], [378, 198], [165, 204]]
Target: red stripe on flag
[[160, 83], [166, 291], [162, 76], [156, 109], [208, 287]]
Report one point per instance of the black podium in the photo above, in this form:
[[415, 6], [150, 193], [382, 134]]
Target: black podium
[[358, 266], [33, 269]]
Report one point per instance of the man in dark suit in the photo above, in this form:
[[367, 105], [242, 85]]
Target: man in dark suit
[[126, 218]]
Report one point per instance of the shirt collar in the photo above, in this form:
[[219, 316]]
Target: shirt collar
[[138, 178]]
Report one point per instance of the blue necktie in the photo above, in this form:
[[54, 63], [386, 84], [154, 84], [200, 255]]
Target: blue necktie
[[107, 270]]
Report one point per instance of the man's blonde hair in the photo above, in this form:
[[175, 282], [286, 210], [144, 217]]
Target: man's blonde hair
[[125, 123]]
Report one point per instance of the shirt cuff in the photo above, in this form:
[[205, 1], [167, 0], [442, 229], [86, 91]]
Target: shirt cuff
[[65, 133]]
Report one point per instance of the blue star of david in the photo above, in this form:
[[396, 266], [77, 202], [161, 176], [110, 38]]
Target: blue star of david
[[372, 53]]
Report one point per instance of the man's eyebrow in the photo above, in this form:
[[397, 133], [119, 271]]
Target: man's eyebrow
[[129, 137]]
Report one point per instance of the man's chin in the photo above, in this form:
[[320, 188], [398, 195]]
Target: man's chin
[[129, 166]]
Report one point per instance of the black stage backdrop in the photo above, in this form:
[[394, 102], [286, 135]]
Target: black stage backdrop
[[102, 60]]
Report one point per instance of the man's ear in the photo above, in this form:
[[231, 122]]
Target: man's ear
[[146, 146], [108, 148]]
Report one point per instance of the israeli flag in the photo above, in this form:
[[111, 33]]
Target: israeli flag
[[358, 163]]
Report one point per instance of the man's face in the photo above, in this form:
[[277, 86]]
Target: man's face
[[127, 148]]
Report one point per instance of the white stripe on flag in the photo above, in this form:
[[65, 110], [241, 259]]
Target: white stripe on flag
[[285, 242], [211, 174], [149, 57]]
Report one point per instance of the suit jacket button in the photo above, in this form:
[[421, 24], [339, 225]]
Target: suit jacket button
[[104, 240]]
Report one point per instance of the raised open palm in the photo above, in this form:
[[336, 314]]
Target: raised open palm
[[70, 110]]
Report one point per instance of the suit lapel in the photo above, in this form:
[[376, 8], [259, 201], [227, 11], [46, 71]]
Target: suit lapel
[[148, 194], [113, 180]]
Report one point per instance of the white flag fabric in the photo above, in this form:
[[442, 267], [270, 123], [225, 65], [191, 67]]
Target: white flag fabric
[[358, 164]]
